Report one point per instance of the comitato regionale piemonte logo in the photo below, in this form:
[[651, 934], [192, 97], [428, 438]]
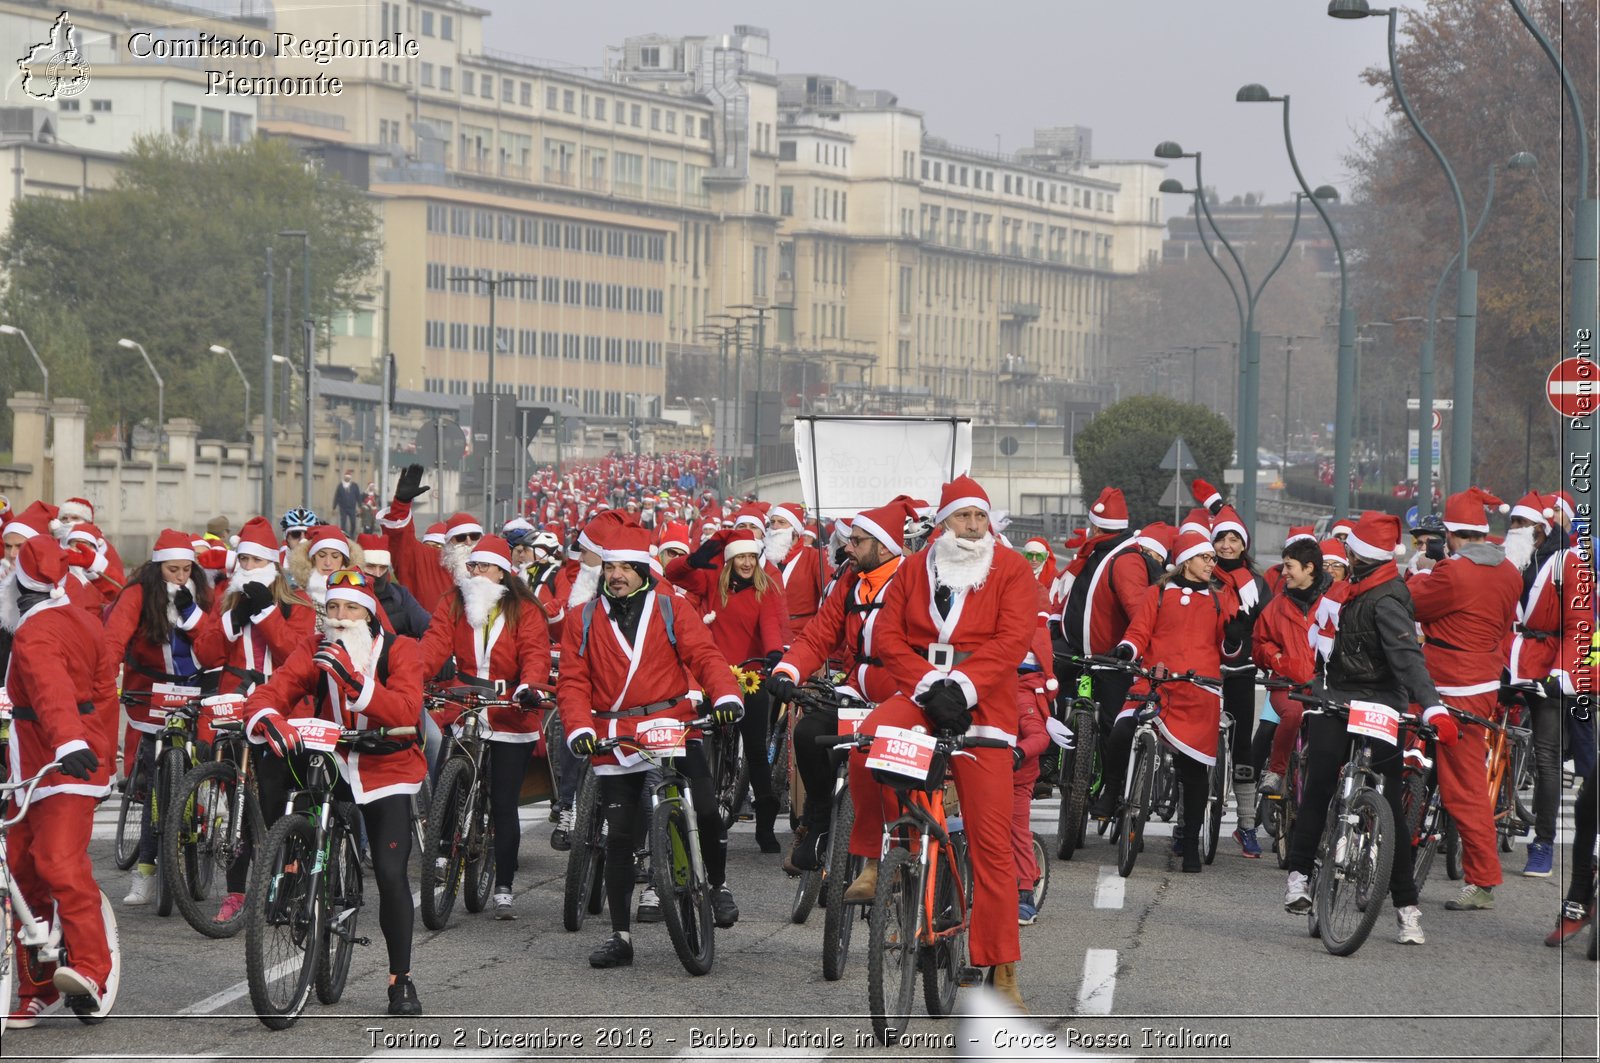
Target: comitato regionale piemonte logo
[[54, 68]]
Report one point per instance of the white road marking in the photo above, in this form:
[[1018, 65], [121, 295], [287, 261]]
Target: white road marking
[[1109, 891], [1099, 982]]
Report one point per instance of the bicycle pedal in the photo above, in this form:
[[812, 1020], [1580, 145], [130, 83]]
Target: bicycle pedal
[[361, 941], [971, 976]]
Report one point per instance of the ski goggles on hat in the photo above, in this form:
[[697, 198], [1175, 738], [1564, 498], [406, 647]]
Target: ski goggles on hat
[[350, 577]]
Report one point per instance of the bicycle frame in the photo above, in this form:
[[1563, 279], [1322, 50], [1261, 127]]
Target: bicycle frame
[[921, 828], [32, 933], [673, 788]]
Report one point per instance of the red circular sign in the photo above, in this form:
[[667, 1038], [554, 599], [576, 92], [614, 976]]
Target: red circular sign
[[1573, 387]]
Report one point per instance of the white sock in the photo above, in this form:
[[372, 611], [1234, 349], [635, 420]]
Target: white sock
[[625, 936]]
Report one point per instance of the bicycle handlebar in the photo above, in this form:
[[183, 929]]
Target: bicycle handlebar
[[28, 786], [606, 745], [1134, 668]]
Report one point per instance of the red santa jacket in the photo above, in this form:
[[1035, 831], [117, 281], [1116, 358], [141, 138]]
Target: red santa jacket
[[105, 576], [845, 628], [512, 659], [1286, 638], [249, 654], [802, 582], [990, 626], [390, 697], [416, 564], [744, 626], [609, 676], [1182, 629], [1556, 626], [1116, 589], [178, 660], [1466, 605], [62, 683]]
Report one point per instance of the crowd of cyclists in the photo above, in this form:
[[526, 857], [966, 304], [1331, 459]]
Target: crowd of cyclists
[[628, 598]]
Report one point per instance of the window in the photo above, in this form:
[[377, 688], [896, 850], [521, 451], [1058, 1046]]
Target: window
[[655, 119], [426, 75], [552, 97], [629, 173], [599, 109], [239, 126], [705, 129], [437, 218], [508, 90], [445, 75], [527, 94], [568, 101], [786, 151], [759, 277], [100, 105], [672, 121], [68, 105], [786, 200], [663, 175], [650, 57], [434, 334], [637, 116], [427, 23], [905, 289], [211, 123], [447, 27]]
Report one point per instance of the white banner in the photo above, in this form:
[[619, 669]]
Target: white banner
[[848, 464]]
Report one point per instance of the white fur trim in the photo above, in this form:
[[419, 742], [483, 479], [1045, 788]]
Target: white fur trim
[[961, 680], [1470, 689], [640, 557], [377, 557], [942, 514], [1230, 526], [1152, 545], [740, 546], [488, 557], [257, 550], [369, 686], [466, 527], [579, 733], [69, 510], [893, 543], [787, 669], [390, 522], [1365, 549], [189, 622], [356, 595], [1463, 526], [176, 553], [1194, 551], [787, 517], [69, 747], [983, 730], [1107, 523]]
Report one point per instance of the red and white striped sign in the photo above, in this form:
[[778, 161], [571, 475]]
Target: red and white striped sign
[[1573, 387]]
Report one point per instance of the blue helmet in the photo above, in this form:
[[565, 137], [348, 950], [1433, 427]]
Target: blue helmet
[[299, 519]]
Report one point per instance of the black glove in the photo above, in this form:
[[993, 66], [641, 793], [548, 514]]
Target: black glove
[[773, 658], [528, 698], [183, 600], [252, 599], [1237, 630], [80, 764], [705, 553], [583, 745], [1123, 652], [946, 706], [409, 487], [780, 686], [727, 712], [1017, 757]]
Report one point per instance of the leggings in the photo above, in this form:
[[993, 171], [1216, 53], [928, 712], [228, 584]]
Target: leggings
[[620, 803], [753, 730], [148, 841], [1239, 699], [1584, 817], [815, 765], [1549, 723], [508, 763]]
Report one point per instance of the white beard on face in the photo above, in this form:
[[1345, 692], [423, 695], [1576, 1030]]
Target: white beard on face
[[962, 564], [10, 605], [585, 586], [265, 575], [777, 543], [478, 594], [1520, 546], [453, 556], [317, 587], [355, 636]]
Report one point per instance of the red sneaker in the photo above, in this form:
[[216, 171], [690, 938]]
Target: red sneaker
[[31, 1009], [1573, 919]]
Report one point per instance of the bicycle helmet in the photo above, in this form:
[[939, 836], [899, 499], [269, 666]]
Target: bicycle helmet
[[916, 533], [1432, 524], [545, 542], [299, 518]]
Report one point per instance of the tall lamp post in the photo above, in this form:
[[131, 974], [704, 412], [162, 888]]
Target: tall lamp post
[[309, 332], [493, 284], [760, 313], [12, 330], [217, 348], [161, 388]]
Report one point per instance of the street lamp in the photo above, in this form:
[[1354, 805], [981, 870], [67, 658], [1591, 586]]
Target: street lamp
[[12, 330], [309, 333], [161, 388], [219, 349], [761, 340]]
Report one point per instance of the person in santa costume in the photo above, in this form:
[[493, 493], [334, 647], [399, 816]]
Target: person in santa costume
[[1109, 588], [358, 676], [1375, 657], [627, 657], [959, 618], [1040, 558], [498, 636], [155, 629], [62, 687], [405, 615], [1466, 605], [843, 630], [428, 574], [1297, 533], [324, 551], [95, 563], [789, 545], [40, 519], [1287, 640]]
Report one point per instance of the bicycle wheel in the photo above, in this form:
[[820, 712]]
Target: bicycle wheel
[[1216, 802], [280, 932], [479, 876], [1041, 884], [1427, 846], [1451, 844], [1521, 775], [892, 945], [341, 886], [732, 777], [942, 963], [1136, 809], [1289, 809], [806, 890], [1075, 783], [214, 840], [444, 844], [779, 767], [167, 816], [130, 815], [1355, 874], [554, 739], [685, 897], [1164, 791], [838, 918], [586, 860]]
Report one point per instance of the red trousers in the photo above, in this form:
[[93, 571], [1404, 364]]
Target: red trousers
[[1288, 728], [1022, 833], [1464, 790], [49, 856], [984, 785]]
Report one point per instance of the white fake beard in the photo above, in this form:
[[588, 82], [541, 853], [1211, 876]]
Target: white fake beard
[[478, 594], [317, 587], [453, 556], [6, 565], [1520, 547], [172, 611], [10, 604], [265, 575], [962, 564], [355, 636], [777, 543], [585, 586]]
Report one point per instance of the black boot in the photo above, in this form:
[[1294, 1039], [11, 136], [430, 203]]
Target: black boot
[[766, 816], [1192, 863]]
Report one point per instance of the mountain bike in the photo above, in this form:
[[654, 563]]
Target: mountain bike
[[825, 884], [583, 891], [1080, 769], [176, 708], [1510, 755]]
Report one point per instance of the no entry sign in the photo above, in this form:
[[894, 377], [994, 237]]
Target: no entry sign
[[1573, 387]]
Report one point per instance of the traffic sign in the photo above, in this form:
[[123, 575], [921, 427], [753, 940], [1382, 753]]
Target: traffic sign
[[1009, 445], [1175, 492], [1178, 457], [1438, 404], [1438, 420], [1573, 387], [1411, 517]]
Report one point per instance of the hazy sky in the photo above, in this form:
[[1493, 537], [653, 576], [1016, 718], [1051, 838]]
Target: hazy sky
[[1135, 71]]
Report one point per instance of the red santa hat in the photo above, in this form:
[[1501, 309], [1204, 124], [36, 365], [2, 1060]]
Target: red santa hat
[[492, 550], [435, 534], [1204, 493], [87, 532], [374, 550], [1467, 511], [257, 539], [172, 545], [1110, 510], [751, 515], [1187, 545], [352, 585], [42, 565], [1036, 545], [1535, 508], [596, 534], [79, 509], [327, 537], [1298, 532], [742, 541], [1197, 519], [35, 520], [673, 535], [1375, 537], [462, 524], [1228, 520], [1334, 550], [1342, 528], [886, 524], [960, 493], [790, 513], [1562, 501], [1159, 538], [628, 542]]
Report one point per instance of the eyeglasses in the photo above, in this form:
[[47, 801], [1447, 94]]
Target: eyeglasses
[[469, 537], [860, 540], [480, 566], [349, 577]]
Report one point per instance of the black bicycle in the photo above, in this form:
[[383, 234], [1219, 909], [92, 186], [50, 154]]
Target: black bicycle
[[1080, 769], [177, 749]]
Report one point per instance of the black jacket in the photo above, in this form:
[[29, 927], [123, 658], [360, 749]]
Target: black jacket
[[407, 615]]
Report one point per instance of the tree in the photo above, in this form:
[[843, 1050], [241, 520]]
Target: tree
[[173, 257], [1124, 445]]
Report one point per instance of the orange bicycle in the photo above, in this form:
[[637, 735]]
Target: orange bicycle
[[1509, 758]]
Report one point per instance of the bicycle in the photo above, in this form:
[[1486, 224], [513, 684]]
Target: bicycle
[[219, 818], [35, 943], [1431, 828], [676, 865], [1277, 812], [1509, 757], [730, 771], [177, 709], [305, 885], [583, 891], [1080, 769]]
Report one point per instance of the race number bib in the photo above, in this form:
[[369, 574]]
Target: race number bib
[[223, 707], [661, 735], [319, 735], [164, 697], [5, 703], [1372, 720], [903, 752], [850, 718]]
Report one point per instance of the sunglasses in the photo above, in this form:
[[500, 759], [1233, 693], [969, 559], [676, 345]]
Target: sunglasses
[[1034, 556], [470, 537], [349, 577], [294, 535]]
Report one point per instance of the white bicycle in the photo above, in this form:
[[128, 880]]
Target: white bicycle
[[36, 942]]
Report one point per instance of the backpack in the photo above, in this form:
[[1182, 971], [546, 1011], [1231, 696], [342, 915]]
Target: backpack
[[663, 605], [1078, 599]]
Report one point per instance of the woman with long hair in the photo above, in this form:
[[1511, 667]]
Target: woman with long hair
[[493, 627], [154, 629], [748, 614], [1237, 571]]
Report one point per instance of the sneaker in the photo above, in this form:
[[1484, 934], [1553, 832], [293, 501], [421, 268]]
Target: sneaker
[[71, 982], [32, 1009], [141, 887], [1104, 806], [502, 905], [1574, 917], [403, 997], [1410, 920], [1246, 837], [232, 905], [1297, 898], [649, 907], [1540, 860], [1271, 783], [724, 912], [616, 952], [1471, 899], [561, 837], [1027, 911]]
